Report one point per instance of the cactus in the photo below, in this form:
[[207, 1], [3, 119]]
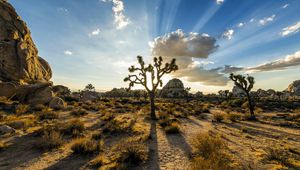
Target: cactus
[[246, 84], [156, 71]]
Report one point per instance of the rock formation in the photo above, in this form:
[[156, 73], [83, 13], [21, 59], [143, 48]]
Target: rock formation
[[173, 89], [294, 88], [24, 75], [238, 92]]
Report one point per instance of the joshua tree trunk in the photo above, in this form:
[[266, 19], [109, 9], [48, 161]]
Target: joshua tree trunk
[[152, 105], [251, 108]]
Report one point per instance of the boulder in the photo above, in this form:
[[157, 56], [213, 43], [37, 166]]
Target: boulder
[[7, 90], [89, 96], [61, 90], [4, 129], [57, 103], [19, 60], [173, 89], [294, 88], [238, 92]]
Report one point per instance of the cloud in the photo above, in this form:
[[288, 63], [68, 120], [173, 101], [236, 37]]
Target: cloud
[[219, 2], [267, 20], [180, 44], [228, 34], [231, 69], [62, 10], [281, 64], [95, 32], [120, 19], [68, 52], [241, 24], [285, 6], [291, 29]]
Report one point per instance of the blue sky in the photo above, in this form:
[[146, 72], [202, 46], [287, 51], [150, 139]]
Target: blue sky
[[96, 41]]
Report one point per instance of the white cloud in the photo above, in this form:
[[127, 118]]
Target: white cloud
[[68, 52], [252, 20], [228, 34], [219, 2], [290, 29], [120, 19], [95, 32], [280, 64], [267, 20], [241, 24], [285, 6], [178, 44], [62, 10]]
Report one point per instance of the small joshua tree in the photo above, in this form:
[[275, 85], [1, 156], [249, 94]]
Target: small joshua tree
[[246, 84], [156, 71], [187, 94], [89, 87]]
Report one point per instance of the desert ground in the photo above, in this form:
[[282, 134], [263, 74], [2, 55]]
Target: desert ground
[[119, 134]]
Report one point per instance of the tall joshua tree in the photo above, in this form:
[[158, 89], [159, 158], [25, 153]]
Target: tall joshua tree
[[246, 84], [156, 71]]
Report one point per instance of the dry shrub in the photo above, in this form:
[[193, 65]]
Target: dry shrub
[[234, 117], [219, 117], [172, 128], [86, 146], [22, 109], [50, 140], [106, 115], [47, 114], [278, 154], [130, 153], [73, 128], [97, 136], [2, 146], [79, 112], [209, 153]]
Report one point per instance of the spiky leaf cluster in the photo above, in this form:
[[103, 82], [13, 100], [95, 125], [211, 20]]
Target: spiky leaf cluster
[[245, 83]]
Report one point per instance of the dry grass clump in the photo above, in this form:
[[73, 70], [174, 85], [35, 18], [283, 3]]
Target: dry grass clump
[[86, 146], [79, 112], [98, 135], [106, 115], [120, 124], [2, 146], [219, 117], [47, 114], [50, 140], [172, 128], [209, 153], [280, 155], [234, 117], [73, 128], [22, 109]]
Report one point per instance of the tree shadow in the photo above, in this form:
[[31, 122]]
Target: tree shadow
[[22, 149], [178, 141], [153, 147], [73, 161]]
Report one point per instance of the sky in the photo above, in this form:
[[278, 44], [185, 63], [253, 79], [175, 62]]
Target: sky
[[95, 41]]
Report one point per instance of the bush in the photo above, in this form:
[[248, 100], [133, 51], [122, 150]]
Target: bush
[[233, 117], [209, 153], [73, 127], [249, 117], [50, 140], [219, 117], [22, 109], [131, 153], [2, 146], [172, 128], [39, 107], [277, 154], [47, 114], [79, 112], [86, 146], [97, 135]]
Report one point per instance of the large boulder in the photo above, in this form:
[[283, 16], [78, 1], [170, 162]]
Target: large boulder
[[19, 60], [173, 89], [238, 92], [57, 103], [61, 90], [89, 96], [7, 89], [294, 88]]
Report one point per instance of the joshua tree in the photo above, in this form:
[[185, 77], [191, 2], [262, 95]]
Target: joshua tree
[[225, 93], [89, 87], [246, 84], [156, 71], [187, 93]]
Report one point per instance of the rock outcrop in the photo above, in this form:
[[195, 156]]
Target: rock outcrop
[[173, 89], [294, 88], [19, 60], [238, 92], [24, 76], [57, 103]]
